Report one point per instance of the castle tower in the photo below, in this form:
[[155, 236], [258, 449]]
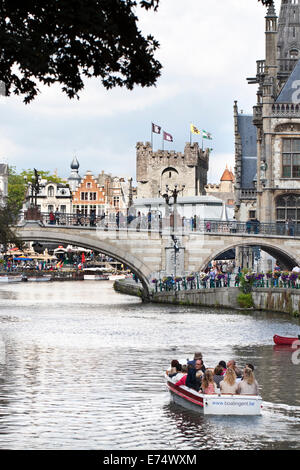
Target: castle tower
[[155, 170]]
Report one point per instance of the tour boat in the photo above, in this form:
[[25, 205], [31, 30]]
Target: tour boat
[[95, 274], [39, 278], [284, 341], [214, 404], [10, 278]]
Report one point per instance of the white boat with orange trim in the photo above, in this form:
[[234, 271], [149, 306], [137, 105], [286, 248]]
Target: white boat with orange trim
[[214, 404]]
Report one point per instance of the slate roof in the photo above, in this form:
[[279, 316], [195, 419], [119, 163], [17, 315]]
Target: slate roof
[[247, 132], [289, 92]]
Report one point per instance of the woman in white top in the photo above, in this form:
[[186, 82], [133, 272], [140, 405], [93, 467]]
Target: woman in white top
[[248, 386], [228, 384]]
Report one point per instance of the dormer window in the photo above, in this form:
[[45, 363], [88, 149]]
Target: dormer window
[[294, 54]]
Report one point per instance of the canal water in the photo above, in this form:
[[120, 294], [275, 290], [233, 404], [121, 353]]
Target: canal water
[[81, 367]]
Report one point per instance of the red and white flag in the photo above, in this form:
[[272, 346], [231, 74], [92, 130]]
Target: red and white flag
[[155, 128], [168, 137]]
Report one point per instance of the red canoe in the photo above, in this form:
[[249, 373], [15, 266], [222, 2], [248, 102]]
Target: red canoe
[[281, 340]]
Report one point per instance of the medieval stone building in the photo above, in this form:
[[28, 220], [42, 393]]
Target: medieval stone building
[[156, 170], [267, 144]]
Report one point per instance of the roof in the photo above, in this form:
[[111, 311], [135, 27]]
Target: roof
[[227, 175], [247, 132], [290, 92]]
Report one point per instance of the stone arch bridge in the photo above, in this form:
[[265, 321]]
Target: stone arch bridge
[[151, 253]]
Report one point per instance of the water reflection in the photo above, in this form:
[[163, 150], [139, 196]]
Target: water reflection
[[83, 369]]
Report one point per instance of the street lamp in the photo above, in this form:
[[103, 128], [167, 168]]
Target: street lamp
[[172, 193]]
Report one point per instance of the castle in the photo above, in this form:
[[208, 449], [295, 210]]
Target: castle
[[156, 170]]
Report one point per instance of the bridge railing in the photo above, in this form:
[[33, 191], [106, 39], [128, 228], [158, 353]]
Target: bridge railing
[[170, 224], [196, 282]]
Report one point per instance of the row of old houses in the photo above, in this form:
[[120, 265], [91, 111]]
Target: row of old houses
[[88, 194]]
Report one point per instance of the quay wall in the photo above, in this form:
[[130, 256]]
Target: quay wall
[[282, 300], [129, 287]]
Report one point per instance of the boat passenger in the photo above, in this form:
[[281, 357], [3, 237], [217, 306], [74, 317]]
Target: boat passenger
[[181, 373], [232, 364], [218, 375], [175, 368], [228, 384], [208, 385], [181, 376], [194, 375], [197, 355], [223, 364], [249, 385]]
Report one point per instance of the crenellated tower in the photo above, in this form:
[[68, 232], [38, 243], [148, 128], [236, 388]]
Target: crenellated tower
[[155, 170]]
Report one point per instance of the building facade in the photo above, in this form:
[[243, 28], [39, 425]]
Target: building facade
[[52, 197], [156, 170], [3, 183], [89, 198], [268, 177]]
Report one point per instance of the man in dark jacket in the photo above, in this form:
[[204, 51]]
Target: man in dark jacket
[[194, 375]]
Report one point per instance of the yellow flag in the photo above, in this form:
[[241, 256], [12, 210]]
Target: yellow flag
[[194, 129]]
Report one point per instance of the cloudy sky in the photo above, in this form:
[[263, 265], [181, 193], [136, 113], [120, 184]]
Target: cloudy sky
[[207, 49]]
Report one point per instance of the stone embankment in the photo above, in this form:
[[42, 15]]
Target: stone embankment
[[273, 299]]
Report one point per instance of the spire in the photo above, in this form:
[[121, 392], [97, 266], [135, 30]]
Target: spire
[[74, 178], [271, 10], [75, 164], [288, 38], [227, 175]]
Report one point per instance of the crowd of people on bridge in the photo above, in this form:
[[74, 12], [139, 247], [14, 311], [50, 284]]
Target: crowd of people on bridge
[[223, 378]]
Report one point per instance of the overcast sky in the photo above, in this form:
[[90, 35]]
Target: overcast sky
[[207, 49]]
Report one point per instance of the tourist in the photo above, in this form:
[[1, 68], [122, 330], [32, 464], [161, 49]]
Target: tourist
[[229, 384], [194, 375], [180, 377], [197, 355], [248, 225], [175, 368], [232, 364], [52, 218], [249, 385], [218, 375], [223, 365], [208, 385]]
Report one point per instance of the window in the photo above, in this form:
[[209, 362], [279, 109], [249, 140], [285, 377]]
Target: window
[[291, 158], [252, 214], [88, 185], [84, 196], [93, 196], [63, 209], [288, 207], [51, 191], [116, 201]]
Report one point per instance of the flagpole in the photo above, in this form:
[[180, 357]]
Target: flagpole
[[152, 136], [190, 135], [163, 143]]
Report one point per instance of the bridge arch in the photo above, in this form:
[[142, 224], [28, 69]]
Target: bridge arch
[[136, 265], [284, 257]]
